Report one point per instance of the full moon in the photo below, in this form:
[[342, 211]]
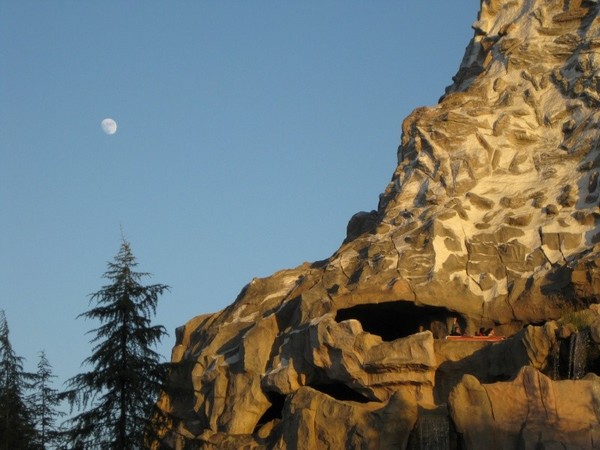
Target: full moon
[[109, 126]]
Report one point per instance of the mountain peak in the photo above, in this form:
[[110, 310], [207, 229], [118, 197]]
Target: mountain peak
[[489, 223]]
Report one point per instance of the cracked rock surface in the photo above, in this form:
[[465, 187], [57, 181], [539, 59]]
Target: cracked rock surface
[[490, 218]]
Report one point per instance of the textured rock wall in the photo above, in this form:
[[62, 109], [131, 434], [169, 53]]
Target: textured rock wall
[[541, 413], [490, 217]]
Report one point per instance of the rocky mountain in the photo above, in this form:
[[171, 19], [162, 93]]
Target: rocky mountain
[[490, 222]]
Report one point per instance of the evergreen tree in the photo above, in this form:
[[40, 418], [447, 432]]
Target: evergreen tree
[[118, 395], [44, 401], [16, 424]]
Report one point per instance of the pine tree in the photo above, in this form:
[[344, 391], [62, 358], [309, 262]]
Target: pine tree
[[118, 395], [44, 402], [16, 424]]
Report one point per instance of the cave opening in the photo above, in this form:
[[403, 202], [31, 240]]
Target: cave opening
[[273, 412], [398, 319], [341, 392]]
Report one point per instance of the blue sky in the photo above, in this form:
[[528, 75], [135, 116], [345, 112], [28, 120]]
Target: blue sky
[[249, 132]]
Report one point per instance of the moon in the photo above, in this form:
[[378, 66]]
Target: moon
[[109, 126]]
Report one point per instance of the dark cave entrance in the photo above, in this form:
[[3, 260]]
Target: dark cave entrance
[[341, 392], [398, 319]]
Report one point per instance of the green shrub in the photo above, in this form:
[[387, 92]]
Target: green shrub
[[581, 319]]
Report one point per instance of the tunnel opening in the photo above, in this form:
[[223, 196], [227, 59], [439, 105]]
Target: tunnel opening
[[341, 392], [273, 412], [398, 319]]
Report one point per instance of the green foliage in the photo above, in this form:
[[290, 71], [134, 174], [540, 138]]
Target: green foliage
[[578, 319], [17, 429], [116, 397], [44, 402]]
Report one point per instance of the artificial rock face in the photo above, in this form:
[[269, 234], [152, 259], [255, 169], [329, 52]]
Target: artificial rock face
[[491, 217]]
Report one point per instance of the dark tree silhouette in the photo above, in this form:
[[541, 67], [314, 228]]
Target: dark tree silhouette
[[44, 401], [16, 423], [118, 394]]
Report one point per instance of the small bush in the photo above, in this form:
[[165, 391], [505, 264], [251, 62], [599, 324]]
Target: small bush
[[580, 320]]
